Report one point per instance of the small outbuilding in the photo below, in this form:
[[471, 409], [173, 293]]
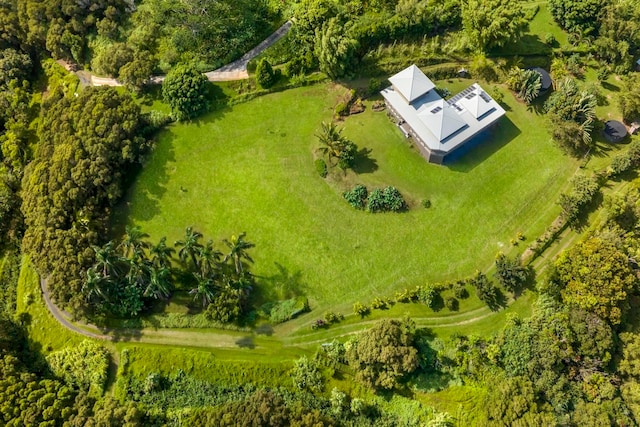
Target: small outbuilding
[[545, 79], [614, 131]]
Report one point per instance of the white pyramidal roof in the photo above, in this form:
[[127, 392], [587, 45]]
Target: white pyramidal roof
[[411, 83], [441, 119], [477, 102]]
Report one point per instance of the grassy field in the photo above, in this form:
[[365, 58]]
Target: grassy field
[[250, 169], [44, 331]]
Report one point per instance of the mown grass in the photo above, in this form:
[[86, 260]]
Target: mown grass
[[217, 367], [43, 329], [250, 168]]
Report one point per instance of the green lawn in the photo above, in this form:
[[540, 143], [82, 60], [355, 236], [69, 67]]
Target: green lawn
[[250, 168]]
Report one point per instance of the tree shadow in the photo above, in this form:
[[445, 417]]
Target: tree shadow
[[363, 163], [610, 87], [483, 146], [264, 329], [148, 196], [281, 285], [246, 342]]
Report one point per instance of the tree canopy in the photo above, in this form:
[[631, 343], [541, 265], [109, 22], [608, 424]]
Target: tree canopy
[[493, 23], [185, 90], [598, 278], [384, 354]]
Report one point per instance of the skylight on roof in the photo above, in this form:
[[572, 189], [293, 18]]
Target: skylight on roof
[[436, 110], [471, 95]]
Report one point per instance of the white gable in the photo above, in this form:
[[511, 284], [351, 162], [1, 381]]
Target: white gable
[[411, 83], [441, 119], [477, 102]]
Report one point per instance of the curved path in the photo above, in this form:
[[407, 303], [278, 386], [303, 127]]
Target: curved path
[[236, 70]]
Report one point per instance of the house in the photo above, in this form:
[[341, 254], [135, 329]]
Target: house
[[438, 126]]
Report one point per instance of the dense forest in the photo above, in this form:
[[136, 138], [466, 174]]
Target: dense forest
[[70, 152]]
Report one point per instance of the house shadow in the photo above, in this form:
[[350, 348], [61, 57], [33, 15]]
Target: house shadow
[[246, 342], [363, 163], [483, 146]]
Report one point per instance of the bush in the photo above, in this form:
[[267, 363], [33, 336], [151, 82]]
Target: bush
[[428, 295], [265, 76], [375, 86], [361, 309], [288, 309], [452, 304], [380, 303], [321, 167], [306, 375], [460, 290], [549, 39], [426, 203], [393, 200], [582, 193], [375, 202], [185, 90], [332, 317], [357, 197], [341, 109]]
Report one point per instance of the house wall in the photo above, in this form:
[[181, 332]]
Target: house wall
[[430, 156]]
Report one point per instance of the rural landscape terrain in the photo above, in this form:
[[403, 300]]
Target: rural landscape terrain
[[211, 213]]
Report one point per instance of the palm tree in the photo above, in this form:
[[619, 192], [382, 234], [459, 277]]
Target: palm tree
[[133, 244], [205, 290], [238, 247], [159, 285], [161, 254], [189, 247], [209, 258], [94, 285], [331, 140], [107, 260]]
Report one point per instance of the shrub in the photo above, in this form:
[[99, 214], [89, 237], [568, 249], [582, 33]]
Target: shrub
[[603, 74], [451, 303], [357, 197], [361, 309], [426, 203], [375, 86], [84, 366], [306, 375], [427, 295], [321, 167], [341, 109], [185, 90], [460, 290], [318, 324], [265, 76], [375, 202], [393, 200], [582, 192], [379, 304], [332, 317], [288, 309], [549, 39]]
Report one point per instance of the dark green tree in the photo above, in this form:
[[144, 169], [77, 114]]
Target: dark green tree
[[265, 76], [597, 277], [185, 90], [336, 51], [383, 354], [493, 23]]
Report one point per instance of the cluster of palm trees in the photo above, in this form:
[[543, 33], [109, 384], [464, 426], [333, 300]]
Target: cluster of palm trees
[[126, 276]]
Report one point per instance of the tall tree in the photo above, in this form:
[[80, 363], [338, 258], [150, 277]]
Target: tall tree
[[190, 246], [238, 251], [383, 354], [336, 51], [493, 23], [185, 90], [597, 277]]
